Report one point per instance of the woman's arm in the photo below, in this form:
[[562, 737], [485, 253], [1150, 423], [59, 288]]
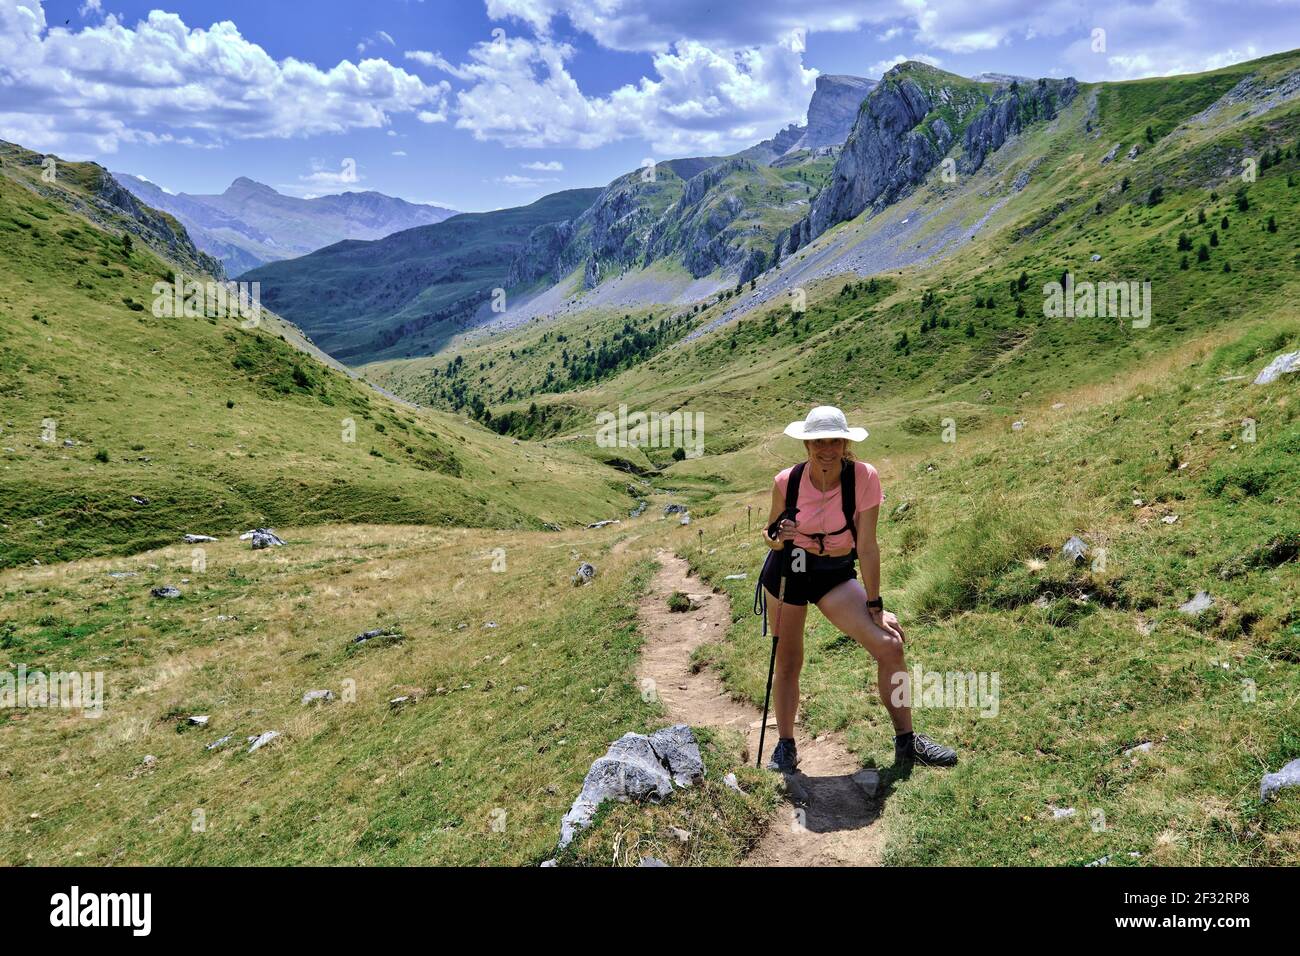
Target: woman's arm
[[869, 551], [869, 556], [786, 531]]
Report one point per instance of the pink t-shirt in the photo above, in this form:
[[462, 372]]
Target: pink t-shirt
[[820, 512]]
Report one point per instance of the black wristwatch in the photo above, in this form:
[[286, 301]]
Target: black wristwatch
[[878, 604]]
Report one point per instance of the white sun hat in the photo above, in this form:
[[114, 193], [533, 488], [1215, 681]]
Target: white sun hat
[[825, 421]]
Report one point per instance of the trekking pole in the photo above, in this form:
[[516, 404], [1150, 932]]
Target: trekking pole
[[776, 631], [771, 667]]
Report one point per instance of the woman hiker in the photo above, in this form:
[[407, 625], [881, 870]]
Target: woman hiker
[[835, 501]]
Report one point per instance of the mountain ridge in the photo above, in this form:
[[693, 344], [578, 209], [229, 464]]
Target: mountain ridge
[[250, 223]]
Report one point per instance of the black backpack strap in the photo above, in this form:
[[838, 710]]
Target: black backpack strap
[[849, 497], [792, 488], [791, 497]]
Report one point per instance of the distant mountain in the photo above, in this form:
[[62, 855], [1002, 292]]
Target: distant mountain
[[251, 224], [833, 110], [707, 215], [908, 124], [361, 298]]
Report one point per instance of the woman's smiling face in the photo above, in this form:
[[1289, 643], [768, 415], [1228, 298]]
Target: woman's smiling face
[[825, 453]]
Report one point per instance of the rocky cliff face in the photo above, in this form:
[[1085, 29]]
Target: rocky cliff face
[[833, 110], [698, 225], [708, 213], [158, 229], [886, 155], [540, 254], [1011, 109], [906, 126], [614, 232]]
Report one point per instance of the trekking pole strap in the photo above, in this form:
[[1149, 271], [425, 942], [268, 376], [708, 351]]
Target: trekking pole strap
[[760, 593]]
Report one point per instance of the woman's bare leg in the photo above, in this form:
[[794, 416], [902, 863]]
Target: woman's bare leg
[[789, 618], [846, 607]]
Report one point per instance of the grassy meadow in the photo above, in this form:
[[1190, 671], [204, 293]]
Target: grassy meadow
[[1003, 430]]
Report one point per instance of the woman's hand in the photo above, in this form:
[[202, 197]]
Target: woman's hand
[[887, 621], [785, 531]]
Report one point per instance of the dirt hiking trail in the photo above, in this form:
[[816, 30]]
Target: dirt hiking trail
[[828, 820]]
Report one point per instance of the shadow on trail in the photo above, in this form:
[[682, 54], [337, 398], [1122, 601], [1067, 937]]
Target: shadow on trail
[[833, 803]]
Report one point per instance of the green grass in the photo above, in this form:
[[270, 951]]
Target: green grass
[[217, 428], [1107, 661], [241, 428], [477, 769]]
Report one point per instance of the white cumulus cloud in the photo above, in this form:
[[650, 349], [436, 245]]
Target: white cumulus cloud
[[521, 93], [161, 81]]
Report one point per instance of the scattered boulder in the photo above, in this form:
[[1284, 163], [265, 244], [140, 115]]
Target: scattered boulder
[[585, 573], [313, 696], [636, 767], [140, 499], [1018, 426], [1095, 257], [1288, 362], [198, 721], [260, 741], [638, 510], [1142, 748], [686, 517], [1063, 813], [1288, 776], [678, 750], [166, 591], [1113, 152], [262, 538], [198, 538], [1202, 602], [731, 781], [735, 577], [219, 743], [651, 861], [674, 509], [385, 635], [605, 523], [1074, 550], [1133, 151]]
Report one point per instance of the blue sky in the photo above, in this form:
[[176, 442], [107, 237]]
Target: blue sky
[[481, 104]]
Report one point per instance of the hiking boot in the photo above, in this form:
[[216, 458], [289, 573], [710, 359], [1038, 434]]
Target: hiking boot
[[923, 750], [785, 757]]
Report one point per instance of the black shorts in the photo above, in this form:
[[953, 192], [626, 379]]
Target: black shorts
[[810, 586]]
